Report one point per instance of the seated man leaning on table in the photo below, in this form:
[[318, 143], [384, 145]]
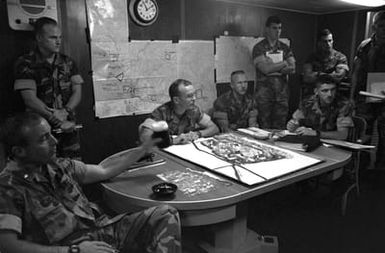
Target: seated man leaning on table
[[324, 113], [235, 109], [43, 209], [186, 121]]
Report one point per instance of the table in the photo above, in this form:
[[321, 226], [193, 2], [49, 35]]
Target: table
[[225, 208]]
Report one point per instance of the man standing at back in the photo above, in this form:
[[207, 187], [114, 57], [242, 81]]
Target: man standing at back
[[370, 58], [50, 84], [325, 61], [235, 109], [273, 60]]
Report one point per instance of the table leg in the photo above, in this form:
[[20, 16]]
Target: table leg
[[234, 237]]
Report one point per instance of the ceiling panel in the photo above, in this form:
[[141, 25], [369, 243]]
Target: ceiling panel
[[306, 6]]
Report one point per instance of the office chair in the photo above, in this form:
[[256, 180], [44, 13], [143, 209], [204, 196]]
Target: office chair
[[357, 134]]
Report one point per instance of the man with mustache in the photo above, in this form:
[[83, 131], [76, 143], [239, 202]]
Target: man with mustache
[[324, 114], [235, 109], [186, 121], [43, 207]]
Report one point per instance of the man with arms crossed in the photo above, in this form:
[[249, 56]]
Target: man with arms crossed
[[325, 61], [43, 208], [273, 60]]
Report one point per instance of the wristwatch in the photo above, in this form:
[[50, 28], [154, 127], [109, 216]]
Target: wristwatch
[[74, 248]]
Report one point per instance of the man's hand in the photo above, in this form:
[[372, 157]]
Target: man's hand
[[292, 125], [60, 114], [67, 126], [96, 247], [305, 131], [186, 138]]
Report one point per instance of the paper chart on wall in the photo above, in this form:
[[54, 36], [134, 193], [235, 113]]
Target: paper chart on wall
[[133, 78], [196, 64], [235, 53], [108, 20], [135, 75]]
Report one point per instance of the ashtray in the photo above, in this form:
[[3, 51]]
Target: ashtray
[[164, 189]]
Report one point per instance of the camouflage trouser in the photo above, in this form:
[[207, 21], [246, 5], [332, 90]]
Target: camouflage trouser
[[68, 145], [273, 102], [371, 112], [156, 229]]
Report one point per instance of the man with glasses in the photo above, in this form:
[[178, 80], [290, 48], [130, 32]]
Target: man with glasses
[[186, 121]]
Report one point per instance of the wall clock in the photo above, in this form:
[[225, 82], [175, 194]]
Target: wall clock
[[144, 12]]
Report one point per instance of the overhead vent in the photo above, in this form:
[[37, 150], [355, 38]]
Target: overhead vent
[[23, 13]]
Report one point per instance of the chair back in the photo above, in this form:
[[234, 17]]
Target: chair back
[[357, 133]]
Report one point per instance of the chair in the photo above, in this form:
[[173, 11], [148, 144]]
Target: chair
[[357, 134]]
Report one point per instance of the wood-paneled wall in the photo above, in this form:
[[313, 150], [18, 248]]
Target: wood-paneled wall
[[183, 19]]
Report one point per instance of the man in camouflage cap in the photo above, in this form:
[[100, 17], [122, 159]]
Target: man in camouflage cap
[[43, 208], [235, 109]]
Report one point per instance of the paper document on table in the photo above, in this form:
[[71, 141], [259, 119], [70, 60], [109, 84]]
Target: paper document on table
[[369, 94], [347, 144], [376, 85]]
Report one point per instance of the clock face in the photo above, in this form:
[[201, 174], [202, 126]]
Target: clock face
[[147, 10], [143, 12]]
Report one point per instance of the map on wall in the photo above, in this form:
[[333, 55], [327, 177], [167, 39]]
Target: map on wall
[[131, 78], [108, 20], [196, 64], [235, 53], [243, 159]]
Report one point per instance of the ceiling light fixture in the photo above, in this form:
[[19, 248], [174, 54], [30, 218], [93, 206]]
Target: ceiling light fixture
[[368, 3]]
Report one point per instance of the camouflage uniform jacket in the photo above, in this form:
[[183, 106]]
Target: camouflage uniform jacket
[[372, 58], [330, 118], [47, 206], [329, 63], [263, 47], [238, 112], [178, 124], [52, 82]]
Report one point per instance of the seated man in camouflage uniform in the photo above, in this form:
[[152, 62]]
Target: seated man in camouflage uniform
[[324, 113], [186, 121], [43, 209], [235, 109]]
